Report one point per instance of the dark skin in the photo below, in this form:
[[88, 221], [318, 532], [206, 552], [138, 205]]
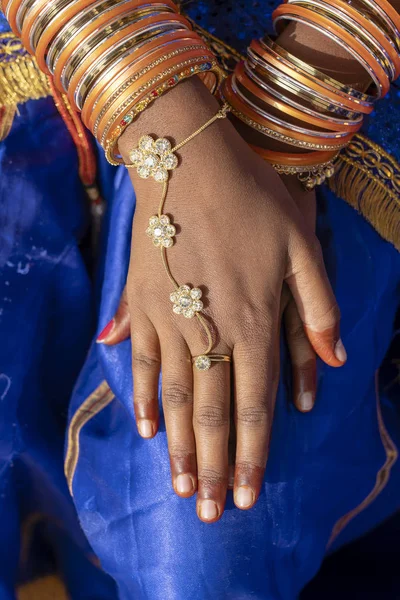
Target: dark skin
[[221, 176]]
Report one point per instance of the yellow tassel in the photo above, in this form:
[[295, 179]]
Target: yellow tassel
[[368, 178], [21, 80]]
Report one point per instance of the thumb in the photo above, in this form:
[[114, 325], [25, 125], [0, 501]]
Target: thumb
[[315, 300], [119, 328]]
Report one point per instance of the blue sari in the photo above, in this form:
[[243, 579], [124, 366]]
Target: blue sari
[[332, 475]]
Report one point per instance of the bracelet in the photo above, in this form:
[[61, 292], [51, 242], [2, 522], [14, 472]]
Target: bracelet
[[111, 143], [374, 37], [251, 118], [296, 131], [353, 102], [312, 169], [107, 60], [298, 89], [323, 115], [133, 92], [116, 29], [300, 112], [156, 159], [118, 78], [376, 9], [342, 36]]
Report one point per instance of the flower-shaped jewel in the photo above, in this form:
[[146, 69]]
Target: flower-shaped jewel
[[161, 231], [186, 301], [153, 158]]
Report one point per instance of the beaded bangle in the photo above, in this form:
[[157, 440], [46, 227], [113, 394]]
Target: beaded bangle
[[141, 87], [111, 144], [137, 77]]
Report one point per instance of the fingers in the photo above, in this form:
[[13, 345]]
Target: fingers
[[119, 328], [177, 398], [304, 364], [211, 428], [254, 404], [146, 371], [315, 301]]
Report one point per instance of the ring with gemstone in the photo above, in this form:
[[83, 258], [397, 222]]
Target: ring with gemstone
[[203, 361]]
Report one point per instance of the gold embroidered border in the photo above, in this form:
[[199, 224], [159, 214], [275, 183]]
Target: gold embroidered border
[[20, 78], [99, 399], [382, 477], [368, 178]]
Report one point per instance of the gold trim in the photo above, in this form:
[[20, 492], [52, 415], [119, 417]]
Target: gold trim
[[382, 477], [368, 178], [20, 77], [99, 399]]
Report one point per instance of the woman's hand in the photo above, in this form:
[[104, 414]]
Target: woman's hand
[[240, 237]]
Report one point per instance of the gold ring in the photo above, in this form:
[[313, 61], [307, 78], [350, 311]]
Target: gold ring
[[203, 361]]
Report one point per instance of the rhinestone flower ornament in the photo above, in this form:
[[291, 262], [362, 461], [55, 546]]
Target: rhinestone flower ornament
[[153, 158], [186, 301], [161, 231]]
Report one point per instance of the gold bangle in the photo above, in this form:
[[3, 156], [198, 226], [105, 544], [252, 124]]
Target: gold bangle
[[104, 68], [111, 145], [325, 80], [272, 133], [348, 17], [299, 89], [67, 32], [140, 82]]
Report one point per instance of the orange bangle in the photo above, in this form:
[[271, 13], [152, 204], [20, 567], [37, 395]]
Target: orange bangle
[[201, 54], [326, 26], [136, 74], [283, 134], [145, 56], [310, 159], [262, 95], [10, 9], [370, 27], [95, 24], [30, 19], [307, 79], [393, 15], [101, 52], [216, 76]]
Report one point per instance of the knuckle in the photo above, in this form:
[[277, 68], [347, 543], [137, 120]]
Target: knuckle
[[253, 414], [210, 477], [210, 415], [144, 362], [176, 395]]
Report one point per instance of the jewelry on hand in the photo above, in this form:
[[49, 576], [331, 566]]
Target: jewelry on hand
[[156, 159]]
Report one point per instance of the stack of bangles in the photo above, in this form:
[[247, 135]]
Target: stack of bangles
[[292, 102], [112, 57]]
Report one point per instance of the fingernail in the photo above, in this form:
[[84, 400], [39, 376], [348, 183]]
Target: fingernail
[[244, 496], [105, 332], [145, 428], [208, 510], [306, 400], [340, 352], [184, 484]]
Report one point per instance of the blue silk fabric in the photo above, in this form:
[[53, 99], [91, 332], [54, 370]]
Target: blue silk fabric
[[150, 543]]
